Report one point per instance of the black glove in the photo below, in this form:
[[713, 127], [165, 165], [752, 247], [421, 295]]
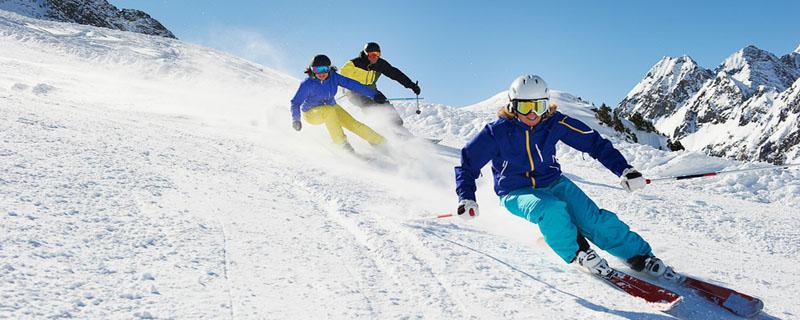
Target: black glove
[[379, 98], [297, 125], [416, 89]]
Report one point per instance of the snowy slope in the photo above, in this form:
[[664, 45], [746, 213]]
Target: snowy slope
[[150, 178]]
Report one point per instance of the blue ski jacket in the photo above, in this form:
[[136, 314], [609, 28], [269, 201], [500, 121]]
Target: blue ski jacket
[[524, 156], [314, 92]]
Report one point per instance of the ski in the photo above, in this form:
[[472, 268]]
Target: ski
[[736, 302], [662, 298]]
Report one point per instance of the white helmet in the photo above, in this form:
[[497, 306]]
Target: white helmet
[[528, 87]]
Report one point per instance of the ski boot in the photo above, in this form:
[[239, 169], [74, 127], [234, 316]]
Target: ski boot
[[593, 263], [654, 267]]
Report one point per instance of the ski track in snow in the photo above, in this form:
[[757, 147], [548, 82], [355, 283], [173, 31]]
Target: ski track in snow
[[119, 201]]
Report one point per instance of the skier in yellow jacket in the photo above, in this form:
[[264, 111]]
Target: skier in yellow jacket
[[366, 69]]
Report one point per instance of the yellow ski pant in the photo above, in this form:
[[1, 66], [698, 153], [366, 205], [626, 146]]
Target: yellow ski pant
[[335, 118]]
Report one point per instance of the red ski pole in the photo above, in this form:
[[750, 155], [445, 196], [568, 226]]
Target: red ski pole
[[446, 215], [717, 173]]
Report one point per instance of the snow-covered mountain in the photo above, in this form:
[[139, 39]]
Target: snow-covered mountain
[[98, 13], [668, 84], [732, 113], [144, 177], [792, 59]]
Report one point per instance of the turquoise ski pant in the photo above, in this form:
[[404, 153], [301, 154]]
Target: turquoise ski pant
[[562, 211]]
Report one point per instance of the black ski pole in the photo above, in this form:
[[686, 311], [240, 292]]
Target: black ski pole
[[717, 173], [403, 99], [418, 111]]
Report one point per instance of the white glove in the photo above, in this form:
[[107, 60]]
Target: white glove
[[632, 180], [467, 209]]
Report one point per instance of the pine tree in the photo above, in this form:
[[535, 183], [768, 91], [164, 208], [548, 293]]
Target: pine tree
[[641, 123], [604, 115], [675, 145], [612, 119]]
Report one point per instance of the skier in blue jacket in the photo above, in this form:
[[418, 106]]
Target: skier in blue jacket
[[521, 145], [315, 98]]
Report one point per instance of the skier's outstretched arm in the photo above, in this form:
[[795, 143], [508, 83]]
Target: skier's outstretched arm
[[578, 135], [393, 73], [354, 86]]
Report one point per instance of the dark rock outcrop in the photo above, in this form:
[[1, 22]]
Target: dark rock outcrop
[[98, 13]]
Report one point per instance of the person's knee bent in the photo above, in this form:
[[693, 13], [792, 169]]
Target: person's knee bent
[[558, 230], [550, 209]]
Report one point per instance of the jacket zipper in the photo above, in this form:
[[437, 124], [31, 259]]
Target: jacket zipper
[[530, 156]]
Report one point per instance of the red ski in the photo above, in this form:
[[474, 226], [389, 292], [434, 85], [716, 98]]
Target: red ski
[[736, 302], [661, 297]]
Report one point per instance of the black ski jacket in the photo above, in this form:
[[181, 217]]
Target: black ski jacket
[[361, 70]]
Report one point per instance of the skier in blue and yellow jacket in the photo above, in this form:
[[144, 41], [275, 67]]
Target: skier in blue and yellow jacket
[[521, 145], [367, 68], [315, 99]]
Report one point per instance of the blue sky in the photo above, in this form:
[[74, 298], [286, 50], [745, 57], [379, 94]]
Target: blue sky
[[462, 52]]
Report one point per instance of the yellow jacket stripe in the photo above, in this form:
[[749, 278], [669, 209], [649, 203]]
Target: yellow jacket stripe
[[530, 156], [573, 128], [365, 77]]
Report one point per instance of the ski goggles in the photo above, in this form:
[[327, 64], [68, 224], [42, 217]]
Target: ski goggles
[[374, 54], [321, 69], [525, 107]]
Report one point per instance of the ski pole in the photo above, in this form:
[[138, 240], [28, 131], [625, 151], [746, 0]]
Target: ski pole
[[418, 111], [716, 173], [446, 215], [403, 99]]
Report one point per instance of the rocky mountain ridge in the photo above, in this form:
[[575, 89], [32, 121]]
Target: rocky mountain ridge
[[746, 108], [98, 13]]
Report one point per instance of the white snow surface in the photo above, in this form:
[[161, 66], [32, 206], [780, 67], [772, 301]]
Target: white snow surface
[[149, 178]]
